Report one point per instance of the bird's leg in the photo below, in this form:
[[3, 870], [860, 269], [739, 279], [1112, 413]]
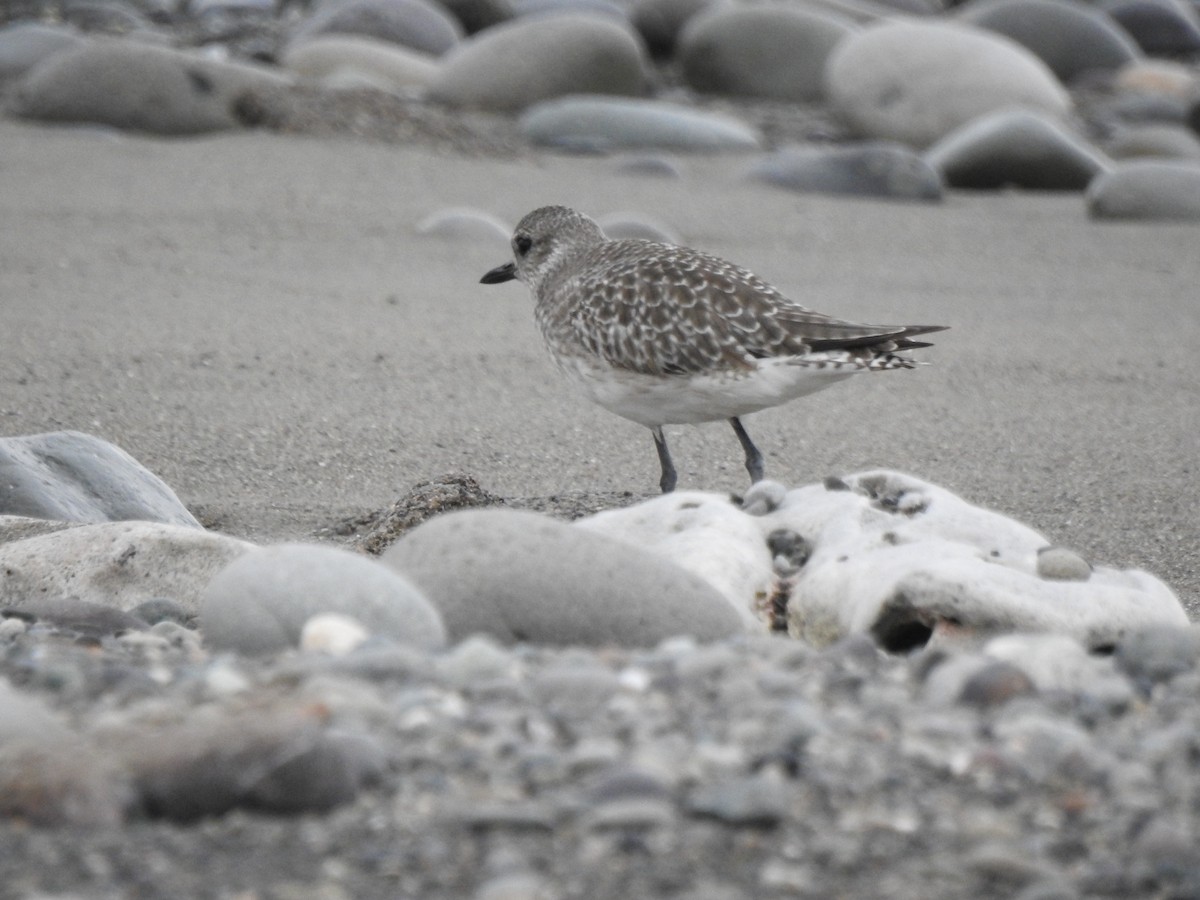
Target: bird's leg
[[667, 482], [754, 459]]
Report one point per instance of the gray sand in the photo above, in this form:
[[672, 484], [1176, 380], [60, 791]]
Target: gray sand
[[255, 319]]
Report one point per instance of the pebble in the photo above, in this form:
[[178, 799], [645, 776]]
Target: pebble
[[915, 82], [138, 86], [1160, 28], [870, 169], [1154, 141], [261, 601], [1061, 564], [70, 476], [1071, 37], [515, 65], [1016, 149], [344, 60], [771, 50], [519, 576], [607, 124], [332, 633], [419, 25], [1147, 190], [1152, 655], [753, 801]]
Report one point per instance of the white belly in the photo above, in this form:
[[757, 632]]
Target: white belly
[[653, 400]]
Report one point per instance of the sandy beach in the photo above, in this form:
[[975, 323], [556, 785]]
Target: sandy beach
[[255, 318]]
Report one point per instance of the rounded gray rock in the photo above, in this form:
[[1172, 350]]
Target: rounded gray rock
[[519, 63], [138, 86], [1160, 141], [1160, 27], [598, 124], [342, 58], [476, 15], [771, 50], [25, 44], [1070, 37], [915, 82], [260, 602], [1016, 148], [417, 24], [873, 169], [520, 576], [70, 476], [1153, 190]]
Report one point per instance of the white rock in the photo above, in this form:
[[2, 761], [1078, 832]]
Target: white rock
[[333, 634], [916, 81]]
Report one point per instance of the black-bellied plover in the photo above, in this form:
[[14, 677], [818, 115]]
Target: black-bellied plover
[[665, 335]]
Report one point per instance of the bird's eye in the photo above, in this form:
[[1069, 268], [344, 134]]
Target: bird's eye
[[523, 242]]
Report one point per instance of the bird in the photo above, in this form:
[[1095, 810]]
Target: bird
[[662, 334]]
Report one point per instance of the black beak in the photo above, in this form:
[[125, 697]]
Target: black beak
[[500, 274]]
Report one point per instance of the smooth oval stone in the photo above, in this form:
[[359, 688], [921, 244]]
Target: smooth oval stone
[[916, 82], [520, 576], [1071, 38], [417, 24], [337, 58], [1016, 148], [25, 44], [70, 476], [769, 50], [867, 170], [1152, 190], [519, 63], [261, 601], [610, 123], [1161, 141], [138, 86], [1160, 27]]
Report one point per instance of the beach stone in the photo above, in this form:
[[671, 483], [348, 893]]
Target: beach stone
[[332, 633], [519, 63], [341, 59], [621, 226], [1016, 148], [1157, 77], [1149, 190], [751, 801], [1061, 564], [660, 22], [605, 124], [80, 616], [277, 760], [872, 169], [69, 476], [1057, 662], [915, 82], [605, 9], [1155, 654], [520, 576], [25, 44], [768, 50], [473, 226], [994, 684], [1155, 141], [142, 87], [1070, 37], [105, 17], [416, 24], [49, 776], [116, 564], [1160, 27], [261, 601]]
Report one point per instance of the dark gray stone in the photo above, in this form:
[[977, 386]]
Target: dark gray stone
[[1161, 28]]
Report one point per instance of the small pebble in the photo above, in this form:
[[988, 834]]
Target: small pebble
[[1061, 564]]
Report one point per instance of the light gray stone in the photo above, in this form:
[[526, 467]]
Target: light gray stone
[[1070, 37], [1151, 190], [768, 50], [25, 44], [260, 602], [519, 63], [416, 24], [337, 59], [612, 123], [69, 476], [119, 564], [519, 576], [916, 82], [138, 86], [1160, 141], [873, 169], [1016, 148]]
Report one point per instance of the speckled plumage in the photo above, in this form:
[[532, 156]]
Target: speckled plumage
[[662, 334]]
